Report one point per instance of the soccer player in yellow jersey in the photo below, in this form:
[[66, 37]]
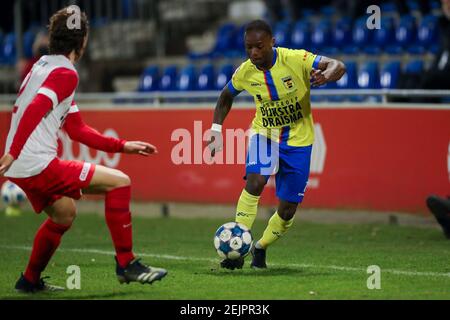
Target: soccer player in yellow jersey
[[282, 135]]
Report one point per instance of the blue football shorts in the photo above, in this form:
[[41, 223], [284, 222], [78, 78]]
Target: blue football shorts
[[290, 165]]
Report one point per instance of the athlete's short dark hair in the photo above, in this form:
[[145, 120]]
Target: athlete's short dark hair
[[62, 39], [259, 25]]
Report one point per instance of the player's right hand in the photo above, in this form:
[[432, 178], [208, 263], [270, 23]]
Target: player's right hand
[[215, 143], [5, 163], [139, 147]]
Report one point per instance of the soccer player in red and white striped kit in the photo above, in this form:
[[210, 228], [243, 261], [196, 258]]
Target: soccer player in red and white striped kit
[[45, 104]]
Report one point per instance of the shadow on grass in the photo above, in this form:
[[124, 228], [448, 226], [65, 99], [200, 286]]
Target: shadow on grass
[[269, 272]]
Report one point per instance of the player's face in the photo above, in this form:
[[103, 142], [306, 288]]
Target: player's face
[[258, 45]]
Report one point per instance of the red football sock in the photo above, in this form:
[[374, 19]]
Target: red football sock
[[46, 241], [118, 219]]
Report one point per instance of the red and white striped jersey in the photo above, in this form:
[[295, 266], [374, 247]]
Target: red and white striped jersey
[[45, 98]]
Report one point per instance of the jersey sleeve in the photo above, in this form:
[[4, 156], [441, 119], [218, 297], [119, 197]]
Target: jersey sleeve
[[59, 85], [236, 84], [31, 118], [81, 132], [307, 60]]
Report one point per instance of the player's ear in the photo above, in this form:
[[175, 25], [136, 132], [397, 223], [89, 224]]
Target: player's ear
[[273, 42]]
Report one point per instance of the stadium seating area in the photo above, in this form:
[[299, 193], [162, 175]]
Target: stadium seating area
[[374, 58], [367, 75]]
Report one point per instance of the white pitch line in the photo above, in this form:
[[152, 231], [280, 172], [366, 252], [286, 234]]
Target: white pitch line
[[289, 265]]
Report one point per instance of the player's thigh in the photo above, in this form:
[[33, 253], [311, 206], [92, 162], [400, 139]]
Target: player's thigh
[[292, 177], [62, 211], [106, 179]]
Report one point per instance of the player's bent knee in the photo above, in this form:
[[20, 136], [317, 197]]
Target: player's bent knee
[[122, 180], [64, 217], [287, 212], [255, 185]]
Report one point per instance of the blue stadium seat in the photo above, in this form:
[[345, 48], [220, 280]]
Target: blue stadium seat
[[281, 32], [330, 51], [385, 36], [427, 33], [149, 79], [328, 11], [435, 5], [372, 50], [168, 79], [416, 49], [393, 49], [127, 8], [435, 48], [348, 81], [389, 75], [223, 76], [342, 33], [224, 40], [307, 14], [350, 50], [406, 33], [388, 7], [368, 77], [187, 79], [239, 43], [321, 35], [2, 37], [9, 49], [414, 67], [205, 79], [28, 41], [300, 35], [361, 34], [412, 5]]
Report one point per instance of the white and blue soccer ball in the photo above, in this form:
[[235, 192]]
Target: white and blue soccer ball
[[233, 240], [12, 194]]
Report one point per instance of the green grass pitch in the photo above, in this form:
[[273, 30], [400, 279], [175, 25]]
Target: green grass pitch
[[313, 261]]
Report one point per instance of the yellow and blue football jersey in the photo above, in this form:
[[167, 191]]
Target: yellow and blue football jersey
[[281, 94]]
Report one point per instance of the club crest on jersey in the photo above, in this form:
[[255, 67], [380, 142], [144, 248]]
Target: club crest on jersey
[[288, 82]]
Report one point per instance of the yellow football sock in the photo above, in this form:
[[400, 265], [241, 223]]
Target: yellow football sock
[[246, 209], [275, 229]]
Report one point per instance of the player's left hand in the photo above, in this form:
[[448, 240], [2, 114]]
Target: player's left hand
[[318, 78], [139, 147], [5, 163]]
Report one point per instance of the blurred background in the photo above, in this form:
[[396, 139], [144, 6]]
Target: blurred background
[[190, 45], [153, 67]]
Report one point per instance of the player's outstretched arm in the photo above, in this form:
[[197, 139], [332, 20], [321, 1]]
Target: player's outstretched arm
[[329, 70], [139, 147], [81, 132], [223, 106]]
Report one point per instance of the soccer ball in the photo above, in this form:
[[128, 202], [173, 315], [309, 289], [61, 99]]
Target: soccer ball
[[12, 194], [233, 240]]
